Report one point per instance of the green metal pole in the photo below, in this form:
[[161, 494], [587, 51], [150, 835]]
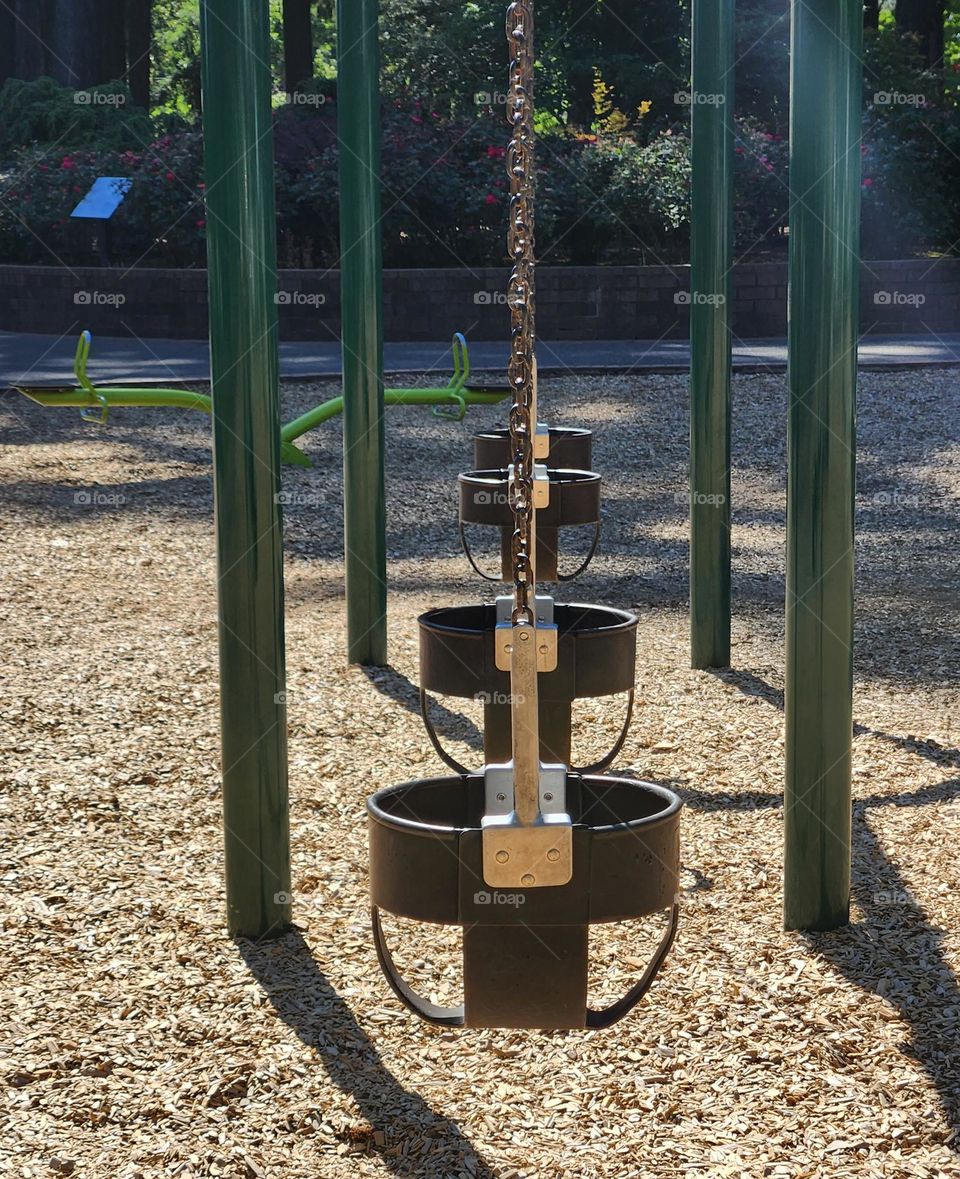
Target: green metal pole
[[711, 259], [826, 111], [246, 452], [364, 497]]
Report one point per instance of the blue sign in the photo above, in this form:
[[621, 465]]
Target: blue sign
[[104, 198]]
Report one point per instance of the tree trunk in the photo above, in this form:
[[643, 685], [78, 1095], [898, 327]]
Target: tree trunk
[[73, 41], [8, 41], [871, 14], [113, 42], [297, 43], [30, 58], [925, 20], [139, 32]]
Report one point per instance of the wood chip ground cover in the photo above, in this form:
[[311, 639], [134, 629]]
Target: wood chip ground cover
[[139, 1041]]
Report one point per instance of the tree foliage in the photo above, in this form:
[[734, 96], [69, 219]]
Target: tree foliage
[[614, 143]]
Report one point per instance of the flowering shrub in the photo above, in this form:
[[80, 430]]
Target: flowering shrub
[[606, 197], [161, 222], [761, 177]]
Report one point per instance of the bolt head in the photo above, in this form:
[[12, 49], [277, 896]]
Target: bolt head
[[553, 855], [528, 878], [524, 636], [501, 798], [502, 857]]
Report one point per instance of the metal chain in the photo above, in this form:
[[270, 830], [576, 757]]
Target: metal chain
[[521, 301]]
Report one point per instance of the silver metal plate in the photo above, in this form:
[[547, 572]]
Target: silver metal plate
[[498, 789], [536, 856], [541, 441], [548, 651], [541, 486]]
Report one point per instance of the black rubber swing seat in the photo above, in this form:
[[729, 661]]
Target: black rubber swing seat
[[596, 656], [525, 953], [570, 449], [574, 502]]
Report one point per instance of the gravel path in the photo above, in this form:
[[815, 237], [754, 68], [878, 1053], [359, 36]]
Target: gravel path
[[139, 1041]]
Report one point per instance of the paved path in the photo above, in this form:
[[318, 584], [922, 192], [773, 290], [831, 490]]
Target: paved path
[[48, 360]]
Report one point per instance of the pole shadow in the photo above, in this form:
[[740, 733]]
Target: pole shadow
[[306, 1002], [397, 687], [895, 952]]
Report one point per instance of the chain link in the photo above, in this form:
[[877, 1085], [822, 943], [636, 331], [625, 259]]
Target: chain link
[[521, 301]]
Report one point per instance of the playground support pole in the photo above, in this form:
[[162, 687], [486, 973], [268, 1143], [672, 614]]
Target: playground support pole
[[364, 496], [246, 452], [825, 169], [711, 95]]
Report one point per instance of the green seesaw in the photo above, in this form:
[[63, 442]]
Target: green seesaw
[[95, 402]]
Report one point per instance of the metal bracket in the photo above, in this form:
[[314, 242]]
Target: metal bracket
[[541, 441], [498, 790], [517, 855], [547, 634], [541, 485]]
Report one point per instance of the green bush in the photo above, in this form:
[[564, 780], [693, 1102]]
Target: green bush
[[44, 112], [911, 153]]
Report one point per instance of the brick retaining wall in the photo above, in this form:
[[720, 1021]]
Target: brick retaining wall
[[576, 302]]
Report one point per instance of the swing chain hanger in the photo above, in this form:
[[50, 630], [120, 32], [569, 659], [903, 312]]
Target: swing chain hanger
[[527, 832], [521, 301]]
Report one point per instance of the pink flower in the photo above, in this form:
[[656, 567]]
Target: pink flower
[[490, 199], [868, 182], [496, 153], [201, 223], [170, 176], [67, 162]]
